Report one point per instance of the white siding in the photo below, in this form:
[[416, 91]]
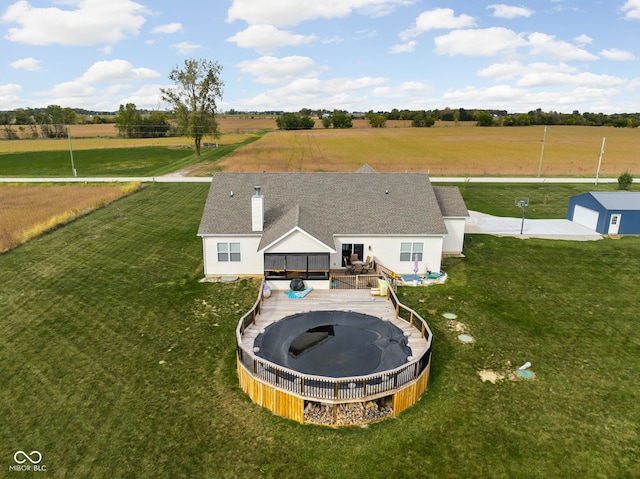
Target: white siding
[[252, 262], [297, 242], [454, 241], [387, 250]]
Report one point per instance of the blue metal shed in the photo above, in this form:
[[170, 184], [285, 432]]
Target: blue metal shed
[[615, 212]]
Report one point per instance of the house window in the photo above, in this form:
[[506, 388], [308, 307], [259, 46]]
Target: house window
[[228, 252], [408, 251]]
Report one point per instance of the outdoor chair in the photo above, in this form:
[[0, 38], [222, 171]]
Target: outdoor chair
[[347, 265], [369, 266], [358, 268]]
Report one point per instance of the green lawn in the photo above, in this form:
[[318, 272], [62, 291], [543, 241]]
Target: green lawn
[[545, 201], [106, 162], [117, 362], [141, 161]]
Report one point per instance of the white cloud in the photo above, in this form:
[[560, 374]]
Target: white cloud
[[28, 64], [69, 89], [91, 22], [9, 89], [481, 97], [272, 70], [540, 74], [631, 9], [292, 12], [147, 96], [547, 45], [82, 95], [9, 99], [267, 38], [343, 93], [404, 47], [116, 71], [86, 92], [521, 100], [617, 55], [439, 18], [404, 95], [583, 39], [509, 70], [586, 79], [185, 48], [507, 11], [168, 28], [478, 42]]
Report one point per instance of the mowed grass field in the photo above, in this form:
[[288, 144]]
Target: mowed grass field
[[118, 362], [117, 161], [445, 151]]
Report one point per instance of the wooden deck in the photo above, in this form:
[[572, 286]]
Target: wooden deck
[[279, 306]]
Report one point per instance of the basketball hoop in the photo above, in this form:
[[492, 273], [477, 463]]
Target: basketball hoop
[[522, 203]]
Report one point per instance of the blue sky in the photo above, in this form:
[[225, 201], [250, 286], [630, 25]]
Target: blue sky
[[357, 55]]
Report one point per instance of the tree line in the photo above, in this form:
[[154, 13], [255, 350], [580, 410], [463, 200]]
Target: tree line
[[304, 119], [52, 121]]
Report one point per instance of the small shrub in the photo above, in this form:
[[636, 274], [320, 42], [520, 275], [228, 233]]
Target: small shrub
[[625, 180]]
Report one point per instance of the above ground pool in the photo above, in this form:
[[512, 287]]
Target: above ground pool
[[333, 344]]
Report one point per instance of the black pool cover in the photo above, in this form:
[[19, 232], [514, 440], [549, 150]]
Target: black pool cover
[[333, 344]]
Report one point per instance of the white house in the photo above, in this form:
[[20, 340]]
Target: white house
[[285, 225]]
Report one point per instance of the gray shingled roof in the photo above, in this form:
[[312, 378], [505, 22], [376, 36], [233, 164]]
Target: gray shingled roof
[[326, 204], [451, 202]]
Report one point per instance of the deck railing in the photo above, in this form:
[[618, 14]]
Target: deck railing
[[336, 389], [354, 281]]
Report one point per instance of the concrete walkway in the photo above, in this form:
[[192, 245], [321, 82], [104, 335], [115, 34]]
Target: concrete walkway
[[548, 229]]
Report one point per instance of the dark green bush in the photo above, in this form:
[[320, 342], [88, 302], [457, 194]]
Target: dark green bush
[[625, 180]]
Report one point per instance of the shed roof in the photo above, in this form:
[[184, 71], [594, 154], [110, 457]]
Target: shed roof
[[327, 204], [618, 200]]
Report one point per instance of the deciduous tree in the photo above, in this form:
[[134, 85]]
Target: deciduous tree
[[293, 121], [194, 98], [128, 120]]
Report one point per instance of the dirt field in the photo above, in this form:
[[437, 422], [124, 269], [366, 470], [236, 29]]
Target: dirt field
[[445, 151], [28, 211]]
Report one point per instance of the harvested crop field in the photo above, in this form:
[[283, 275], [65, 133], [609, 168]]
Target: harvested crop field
[[29, 211], [447, 151]]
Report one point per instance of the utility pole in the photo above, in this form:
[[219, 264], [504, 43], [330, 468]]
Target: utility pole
[[544, 136], [600, 159], [73, 168]]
